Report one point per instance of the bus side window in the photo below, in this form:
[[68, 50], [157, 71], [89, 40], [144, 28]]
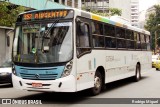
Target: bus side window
[[83, 35], [109, 30], [110, 42], [97, 28], [148, 47], [97, 34], [143, 41], [120, 33], [83, 43], [138, 41]]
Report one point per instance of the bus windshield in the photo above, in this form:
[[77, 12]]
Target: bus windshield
[[43, 42]]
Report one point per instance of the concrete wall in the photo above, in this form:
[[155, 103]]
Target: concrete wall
[[5, 51], [2, 45]]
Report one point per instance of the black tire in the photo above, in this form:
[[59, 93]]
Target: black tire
[[11, 84], [157, 69], [137, 76], [97, 84]]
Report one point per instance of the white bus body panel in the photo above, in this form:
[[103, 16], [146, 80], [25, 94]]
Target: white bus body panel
[[118, 64], [67, 84]]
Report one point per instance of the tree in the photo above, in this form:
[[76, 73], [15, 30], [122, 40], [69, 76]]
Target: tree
[[9, 13], [99, 13], [115, 11], [112, 12], [152, 24]]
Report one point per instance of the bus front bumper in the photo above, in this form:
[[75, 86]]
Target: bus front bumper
[[65, 84]]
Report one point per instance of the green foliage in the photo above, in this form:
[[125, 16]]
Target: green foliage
[[112, 12], [153, 24], [99, 13], [9, 13], [115, 11]]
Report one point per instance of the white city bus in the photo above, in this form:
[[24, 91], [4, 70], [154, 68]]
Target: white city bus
[[69, 50]]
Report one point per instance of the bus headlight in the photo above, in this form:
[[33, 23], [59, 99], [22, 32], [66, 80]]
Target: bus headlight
[[67, 69], [13, 70]]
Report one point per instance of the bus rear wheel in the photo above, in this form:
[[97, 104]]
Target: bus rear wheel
[[137, 76], [97, 84]]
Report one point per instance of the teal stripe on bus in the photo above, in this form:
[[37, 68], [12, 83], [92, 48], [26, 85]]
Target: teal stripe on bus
[[111, 22]]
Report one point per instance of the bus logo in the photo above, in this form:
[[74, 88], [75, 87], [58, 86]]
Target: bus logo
[[37, 76]]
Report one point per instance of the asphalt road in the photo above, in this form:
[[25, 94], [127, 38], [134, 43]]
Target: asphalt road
[[147, 87]]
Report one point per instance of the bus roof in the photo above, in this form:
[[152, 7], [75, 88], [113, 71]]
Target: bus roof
[[110, 21], [31, 11], [99, 18]]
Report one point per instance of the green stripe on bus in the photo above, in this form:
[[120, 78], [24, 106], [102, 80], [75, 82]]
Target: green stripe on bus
[[104, 20]]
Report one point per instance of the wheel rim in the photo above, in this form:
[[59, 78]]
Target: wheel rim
[[138, 73], [97, 83]]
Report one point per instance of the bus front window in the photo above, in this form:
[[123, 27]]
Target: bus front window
[[43, 43]]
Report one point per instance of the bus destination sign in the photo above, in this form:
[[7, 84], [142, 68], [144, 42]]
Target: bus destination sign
[[45, 15]]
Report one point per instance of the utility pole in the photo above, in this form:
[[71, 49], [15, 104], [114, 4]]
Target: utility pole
[[155, 41], [156, 38]]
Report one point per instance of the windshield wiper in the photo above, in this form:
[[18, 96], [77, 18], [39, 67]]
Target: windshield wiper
[[47, 32]]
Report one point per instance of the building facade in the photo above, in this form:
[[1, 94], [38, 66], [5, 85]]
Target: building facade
[[99, 5], [130, 9], [142, 20], [70, 3], [134, 12]]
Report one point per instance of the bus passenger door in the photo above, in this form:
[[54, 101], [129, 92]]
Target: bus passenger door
[[83, 50]]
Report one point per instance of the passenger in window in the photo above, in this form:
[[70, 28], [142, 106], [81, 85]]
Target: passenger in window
[[95, 41], [97, 31], [96, 37]]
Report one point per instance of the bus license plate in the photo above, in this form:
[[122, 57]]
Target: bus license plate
[[36, 84]]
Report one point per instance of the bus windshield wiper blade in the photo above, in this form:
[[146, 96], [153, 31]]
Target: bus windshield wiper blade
[[53, 24]]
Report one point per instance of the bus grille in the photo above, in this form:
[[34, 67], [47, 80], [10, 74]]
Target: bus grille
[[39, 73], [39, 76]]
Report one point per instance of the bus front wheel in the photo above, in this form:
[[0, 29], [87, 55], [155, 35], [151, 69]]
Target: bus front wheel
[[97, 83]]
